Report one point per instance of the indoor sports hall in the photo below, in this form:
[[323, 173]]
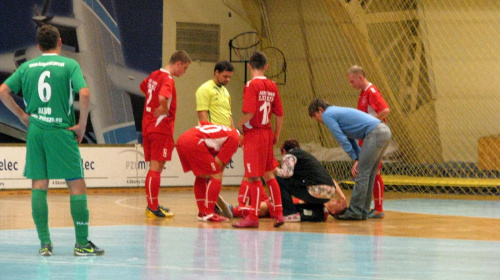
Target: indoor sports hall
[[434, 61]]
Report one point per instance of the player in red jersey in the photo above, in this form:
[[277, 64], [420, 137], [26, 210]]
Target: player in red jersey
[[205, 150], [370, 101], [261, 99], [158, 125]]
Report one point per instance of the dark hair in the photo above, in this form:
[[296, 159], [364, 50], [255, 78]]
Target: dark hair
[[181, 56], [290, 144], [224, 65], [316, 104], [258, 60], [47, 37]]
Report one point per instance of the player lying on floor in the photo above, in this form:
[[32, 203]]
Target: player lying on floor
[[307, 190], [307, 212]]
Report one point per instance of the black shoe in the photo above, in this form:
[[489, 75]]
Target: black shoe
[[348, 217], [88, 250], [46, 249], [164, 208]]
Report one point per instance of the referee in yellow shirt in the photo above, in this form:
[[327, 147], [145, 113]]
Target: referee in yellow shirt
[[213, 104], [213, 101]]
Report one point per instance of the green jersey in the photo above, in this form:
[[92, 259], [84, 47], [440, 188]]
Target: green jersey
[[49, 84]]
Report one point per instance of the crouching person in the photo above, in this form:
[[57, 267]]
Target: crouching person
[[302, 176], [205, 150]]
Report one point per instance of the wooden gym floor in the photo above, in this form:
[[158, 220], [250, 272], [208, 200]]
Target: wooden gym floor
[[418, 239]]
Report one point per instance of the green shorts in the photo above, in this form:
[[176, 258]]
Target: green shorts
[[52, 153]]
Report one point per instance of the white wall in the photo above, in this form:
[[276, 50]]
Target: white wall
[[206, 12]]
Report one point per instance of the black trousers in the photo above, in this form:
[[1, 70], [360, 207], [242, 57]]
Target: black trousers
[[311, 211]]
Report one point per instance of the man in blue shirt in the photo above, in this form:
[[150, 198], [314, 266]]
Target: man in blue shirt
[[348, 125]]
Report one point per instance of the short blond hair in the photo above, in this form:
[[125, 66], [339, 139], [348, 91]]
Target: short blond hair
[[181, 56], [356, 69]]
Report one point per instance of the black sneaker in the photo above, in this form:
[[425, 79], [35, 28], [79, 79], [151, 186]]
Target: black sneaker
[[88, 250], [164, 208], [46, 249]]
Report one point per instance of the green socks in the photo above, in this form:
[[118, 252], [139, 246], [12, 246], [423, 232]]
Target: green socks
[[80, 214], [40, 213]]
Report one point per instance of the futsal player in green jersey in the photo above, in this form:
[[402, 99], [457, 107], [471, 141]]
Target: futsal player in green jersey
[[49, 84]]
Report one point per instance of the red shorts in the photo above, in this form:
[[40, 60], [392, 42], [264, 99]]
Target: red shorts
[[158, 147], [195, 156], [258, 154]]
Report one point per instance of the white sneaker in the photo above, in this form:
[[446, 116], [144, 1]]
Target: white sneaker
[[202, 217], [292, 218]]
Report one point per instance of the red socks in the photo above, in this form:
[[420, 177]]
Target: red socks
[[255, 189], [244, 193], [274, 191], [378, 193], [206, 193], [213, 191], [200, 188], [153, 180]]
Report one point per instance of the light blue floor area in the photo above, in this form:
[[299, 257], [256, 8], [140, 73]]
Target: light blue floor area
[[150, 252], [466, 208]]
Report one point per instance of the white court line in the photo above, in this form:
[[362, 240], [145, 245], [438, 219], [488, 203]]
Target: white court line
[[121, 203]]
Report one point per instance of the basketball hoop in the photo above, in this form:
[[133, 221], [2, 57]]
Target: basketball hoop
[[276, 70], [243, 45]]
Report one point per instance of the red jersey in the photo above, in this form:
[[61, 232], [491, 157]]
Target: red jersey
[[220, 140], [160, 82], [261, 97], [371, 101]]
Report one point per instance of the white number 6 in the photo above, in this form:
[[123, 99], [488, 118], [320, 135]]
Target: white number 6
[[44, 89]]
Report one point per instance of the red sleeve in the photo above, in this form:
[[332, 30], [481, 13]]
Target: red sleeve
[[376, 100], [277, 106], [249, 99], [167, 87]]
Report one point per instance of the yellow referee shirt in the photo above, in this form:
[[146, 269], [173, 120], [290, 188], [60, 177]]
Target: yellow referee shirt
[[216, 101]]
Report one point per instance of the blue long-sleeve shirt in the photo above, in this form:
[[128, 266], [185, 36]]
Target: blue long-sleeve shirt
[[348, 125]]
